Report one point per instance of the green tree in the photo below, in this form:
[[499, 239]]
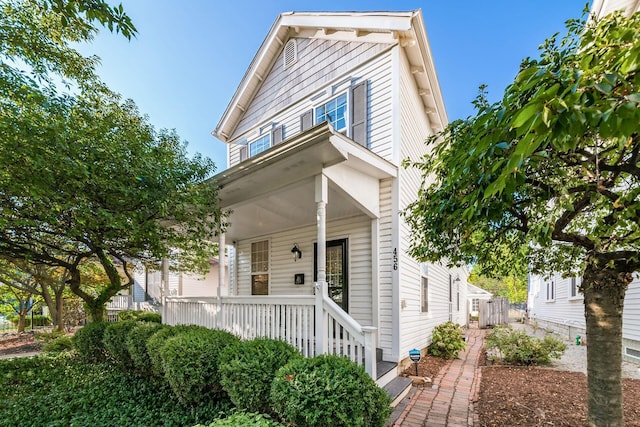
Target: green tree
[[83, 175], [19, 301], [553, 166]]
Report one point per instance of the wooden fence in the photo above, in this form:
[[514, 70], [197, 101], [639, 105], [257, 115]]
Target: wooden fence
[[493, 312]]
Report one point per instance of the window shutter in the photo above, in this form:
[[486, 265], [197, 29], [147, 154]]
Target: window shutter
[[306, 120], [359, 113], [244, 153], [277, 135]]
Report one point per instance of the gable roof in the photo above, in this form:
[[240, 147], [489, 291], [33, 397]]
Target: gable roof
[[405, 28]]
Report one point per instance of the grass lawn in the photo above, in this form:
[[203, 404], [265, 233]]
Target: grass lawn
[[63, 391]]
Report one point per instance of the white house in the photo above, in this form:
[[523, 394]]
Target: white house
[[316, 133], [476, 294], [554, 302]]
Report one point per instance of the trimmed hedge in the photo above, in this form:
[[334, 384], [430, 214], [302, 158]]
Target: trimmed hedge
[[516, 347], [38, 320], [137, 345], [190, 361], [157, 340], [141, 315], [328, 390], [88, 342], [248, 369], [58, 345], [245, 419], [115, 342]]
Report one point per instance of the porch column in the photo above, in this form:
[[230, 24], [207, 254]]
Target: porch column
[[321, 190], [221, 276], [164, 283]]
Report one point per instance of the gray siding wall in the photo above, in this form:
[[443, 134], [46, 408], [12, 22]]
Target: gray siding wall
[[385, 279], [283, 267], [375, 69]]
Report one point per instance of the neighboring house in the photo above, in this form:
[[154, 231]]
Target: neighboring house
[[474, 296], [555, 302], [316, 133]]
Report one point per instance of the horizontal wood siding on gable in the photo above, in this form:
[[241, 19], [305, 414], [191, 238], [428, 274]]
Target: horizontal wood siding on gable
[[283, 267], [377, 71], [385, 266], [319, 62]]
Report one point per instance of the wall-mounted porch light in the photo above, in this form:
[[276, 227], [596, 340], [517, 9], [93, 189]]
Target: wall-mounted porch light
[[297, 253]]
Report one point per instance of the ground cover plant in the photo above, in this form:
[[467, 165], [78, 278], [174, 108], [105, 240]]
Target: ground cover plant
[[71, 392]]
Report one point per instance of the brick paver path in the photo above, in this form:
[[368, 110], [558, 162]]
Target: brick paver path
[[449, 401]]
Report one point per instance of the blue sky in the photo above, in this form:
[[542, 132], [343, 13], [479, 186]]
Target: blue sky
[[189, 56]]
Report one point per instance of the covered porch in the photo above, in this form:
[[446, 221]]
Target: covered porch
[[303, 248]]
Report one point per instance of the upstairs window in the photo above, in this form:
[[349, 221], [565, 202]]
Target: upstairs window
[[257, 146], [334, 112]]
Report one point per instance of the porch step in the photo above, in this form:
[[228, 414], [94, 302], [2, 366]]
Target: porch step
[[386, 372], [397, 389]]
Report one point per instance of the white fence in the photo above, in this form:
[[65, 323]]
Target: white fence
[[293, 319], [493, 312]]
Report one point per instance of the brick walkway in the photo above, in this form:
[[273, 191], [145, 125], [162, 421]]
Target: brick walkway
[[449, 401]]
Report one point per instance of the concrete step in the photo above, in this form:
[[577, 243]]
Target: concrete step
[[397, 389]]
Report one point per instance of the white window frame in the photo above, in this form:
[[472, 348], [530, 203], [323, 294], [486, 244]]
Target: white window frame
[[424, 282], [574, 288], [266, 272], [551, 290], [346, 131], [475, 304], [256, 140]]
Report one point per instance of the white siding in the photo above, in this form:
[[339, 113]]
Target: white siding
[[385, 262], [631, 314], [283, 268], [194, 285], [377, 71]]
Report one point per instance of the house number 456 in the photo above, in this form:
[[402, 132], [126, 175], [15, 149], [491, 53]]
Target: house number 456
[[395, 258]]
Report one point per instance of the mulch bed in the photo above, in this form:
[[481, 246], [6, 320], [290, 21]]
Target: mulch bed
[[429, 366], [18, 343], [529, 396]]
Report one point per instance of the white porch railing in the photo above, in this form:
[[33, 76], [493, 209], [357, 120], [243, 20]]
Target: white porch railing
[[290, 318], [120, 302]]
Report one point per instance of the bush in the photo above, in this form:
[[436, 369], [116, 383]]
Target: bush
[[137, 345], [115, 342], [516, 347], [141, 315], [245, 419], [88, 342], [328, 390], [38, 320], [190, 361], [58, 345], [247, 371], [157, 340], [447, 340]]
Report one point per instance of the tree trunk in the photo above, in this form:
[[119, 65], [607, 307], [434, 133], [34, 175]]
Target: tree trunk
[[21, 321], [96, 312], [59, 317], [604, 288]]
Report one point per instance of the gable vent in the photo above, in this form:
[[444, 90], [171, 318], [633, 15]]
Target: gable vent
[[290, 53]]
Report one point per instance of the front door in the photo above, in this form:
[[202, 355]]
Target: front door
[[336, 272]]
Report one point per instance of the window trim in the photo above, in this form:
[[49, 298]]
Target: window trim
[[550, 291], [262, 136], [266, 272], [574, 288], [347, 106], [424, 281]]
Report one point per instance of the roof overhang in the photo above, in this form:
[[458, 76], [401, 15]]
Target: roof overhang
[[405, 28]]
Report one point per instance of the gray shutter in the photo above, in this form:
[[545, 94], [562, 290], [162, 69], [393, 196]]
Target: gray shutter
[[244, 153], [277, 135], [306, 120], [359, 113]]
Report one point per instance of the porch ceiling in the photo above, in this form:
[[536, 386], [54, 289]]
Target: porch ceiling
[[276, 189]]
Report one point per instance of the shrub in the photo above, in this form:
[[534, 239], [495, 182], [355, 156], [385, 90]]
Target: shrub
[[247, 371], [190, 361], [115, 342], [447, 340], [88, 342], [141, 315], [137, 345], [328, 390], [38, 320], [519, 348], [157, 340], [245, 419], [58, 345]]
